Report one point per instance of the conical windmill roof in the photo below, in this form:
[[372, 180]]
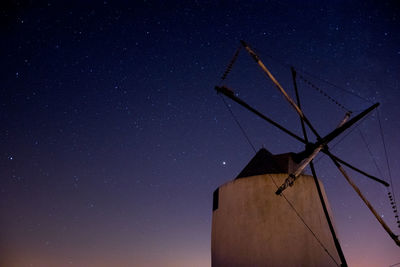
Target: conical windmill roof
[[265, 162]]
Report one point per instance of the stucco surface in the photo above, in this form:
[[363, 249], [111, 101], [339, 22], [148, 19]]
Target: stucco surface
[[252, 226]]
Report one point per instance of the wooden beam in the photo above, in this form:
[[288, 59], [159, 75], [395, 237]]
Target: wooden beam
[[364, 199], [229, 93]]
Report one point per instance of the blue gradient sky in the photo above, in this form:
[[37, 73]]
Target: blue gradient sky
[[113, 138]]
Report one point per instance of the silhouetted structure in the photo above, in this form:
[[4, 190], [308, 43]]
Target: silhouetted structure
[[252, 226]]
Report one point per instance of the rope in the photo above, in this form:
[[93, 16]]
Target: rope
[[370, 152], [341, 139], [230, 65], [305, 224], [322, 92], [227, 71], [238, 123], [282, 63], [336, 86], [391, 195]]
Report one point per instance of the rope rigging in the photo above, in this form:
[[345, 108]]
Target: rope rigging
[[369, 151], [224, 76], [230, 94], [305, 224], [322, 92], [391, 194], [230, 65], [336, 86], [238, 124], [280, 62]]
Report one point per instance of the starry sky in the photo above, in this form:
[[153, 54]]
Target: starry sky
[[113, 137]]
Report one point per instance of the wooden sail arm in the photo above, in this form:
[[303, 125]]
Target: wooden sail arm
[[325, 140], [319, 145], [347, 177], [293, 176], [315, 178], [303, 127], [364, 199], [329, 137], [327, 152], [280, 88], [301, 114], [229, 93]]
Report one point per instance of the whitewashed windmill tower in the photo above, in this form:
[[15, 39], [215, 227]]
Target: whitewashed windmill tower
[[256, 222]]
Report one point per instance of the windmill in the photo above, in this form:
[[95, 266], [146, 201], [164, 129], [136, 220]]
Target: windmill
[[295, 173]]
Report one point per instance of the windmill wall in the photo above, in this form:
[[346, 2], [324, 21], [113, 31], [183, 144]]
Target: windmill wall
[[252, 226]]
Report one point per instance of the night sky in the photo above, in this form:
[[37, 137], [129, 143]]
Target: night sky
[[113, 137]]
